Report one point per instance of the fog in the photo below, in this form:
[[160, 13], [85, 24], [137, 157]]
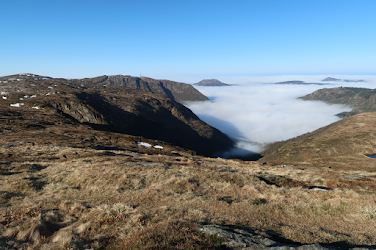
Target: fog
[[255, 111]]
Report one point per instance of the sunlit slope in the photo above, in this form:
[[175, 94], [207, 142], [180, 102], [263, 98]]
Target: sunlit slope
[[344, 143], [360, 99]]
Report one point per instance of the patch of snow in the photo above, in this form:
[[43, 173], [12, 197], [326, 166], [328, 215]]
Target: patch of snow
[[3, 93], [35, 107], [50, 87], [21, 99], [157, 146], [319, 189], [143, 144], [48, 94], [173, 152], [32, 96], [16, 105], [4, 97], [26, 96]]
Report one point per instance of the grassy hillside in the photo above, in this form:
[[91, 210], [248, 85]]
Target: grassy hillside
[[66, 185], [344, 144]]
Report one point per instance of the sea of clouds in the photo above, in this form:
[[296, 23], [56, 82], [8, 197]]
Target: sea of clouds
[[255, 111]]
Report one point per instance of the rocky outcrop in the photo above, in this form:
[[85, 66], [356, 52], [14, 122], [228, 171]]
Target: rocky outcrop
[[254, 239], [80, 111]]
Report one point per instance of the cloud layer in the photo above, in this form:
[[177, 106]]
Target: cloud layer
[[256, 112]]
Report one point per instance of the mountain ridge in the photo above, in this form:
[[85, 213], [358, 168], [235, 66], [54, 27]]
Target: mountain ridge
[[177, 91], [360, 99]]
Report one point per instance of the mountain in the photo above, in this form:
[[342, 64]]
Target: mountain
[[116, 108], [211, 82], [299, 83], [360, 99], [341, 145], [331, 79], [177, 91]]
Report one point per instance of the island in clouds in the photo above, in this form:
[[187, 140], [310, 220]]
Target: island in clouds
[[331, 79], [300, 83], [211, 82]]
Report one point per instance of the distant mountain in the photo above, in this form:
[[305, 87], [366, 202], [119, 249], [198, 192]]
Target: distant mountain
[[331, 79], [360, 99], [299, 83], [211, 82]]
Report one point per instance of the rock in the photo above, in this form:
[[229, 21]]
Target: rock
[[251, 239], [226, 170], [146, 164], [284, 166]]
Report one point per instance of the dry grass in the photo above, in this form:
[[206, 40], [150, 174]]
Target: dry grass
[[342, 145], [68, 194], [105, 200]]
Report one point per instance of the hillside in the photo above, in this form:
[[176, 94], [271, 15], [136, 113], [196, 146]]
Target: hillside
[[360, 99], [341, 145], [119, 109], [211, 82]]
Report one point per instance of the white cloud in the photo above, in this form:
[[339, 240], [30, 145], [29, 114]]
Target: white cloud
[[255, 113]]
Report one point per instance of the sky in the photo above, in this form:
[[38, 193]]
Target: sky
[[187, 40]]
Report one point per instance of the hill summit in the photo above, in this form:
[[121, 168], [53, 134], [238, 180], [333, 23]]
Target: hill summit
[[211, 82]]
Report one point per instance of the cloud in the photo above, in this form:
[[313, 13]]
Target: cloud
[[255, 112]]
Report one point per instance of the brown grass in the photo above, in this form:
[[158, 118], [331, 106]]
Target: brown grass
[[72, 195]]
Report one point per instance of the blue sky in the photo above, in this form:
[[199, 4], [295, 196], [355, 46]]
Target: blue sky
[[182, 39]]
